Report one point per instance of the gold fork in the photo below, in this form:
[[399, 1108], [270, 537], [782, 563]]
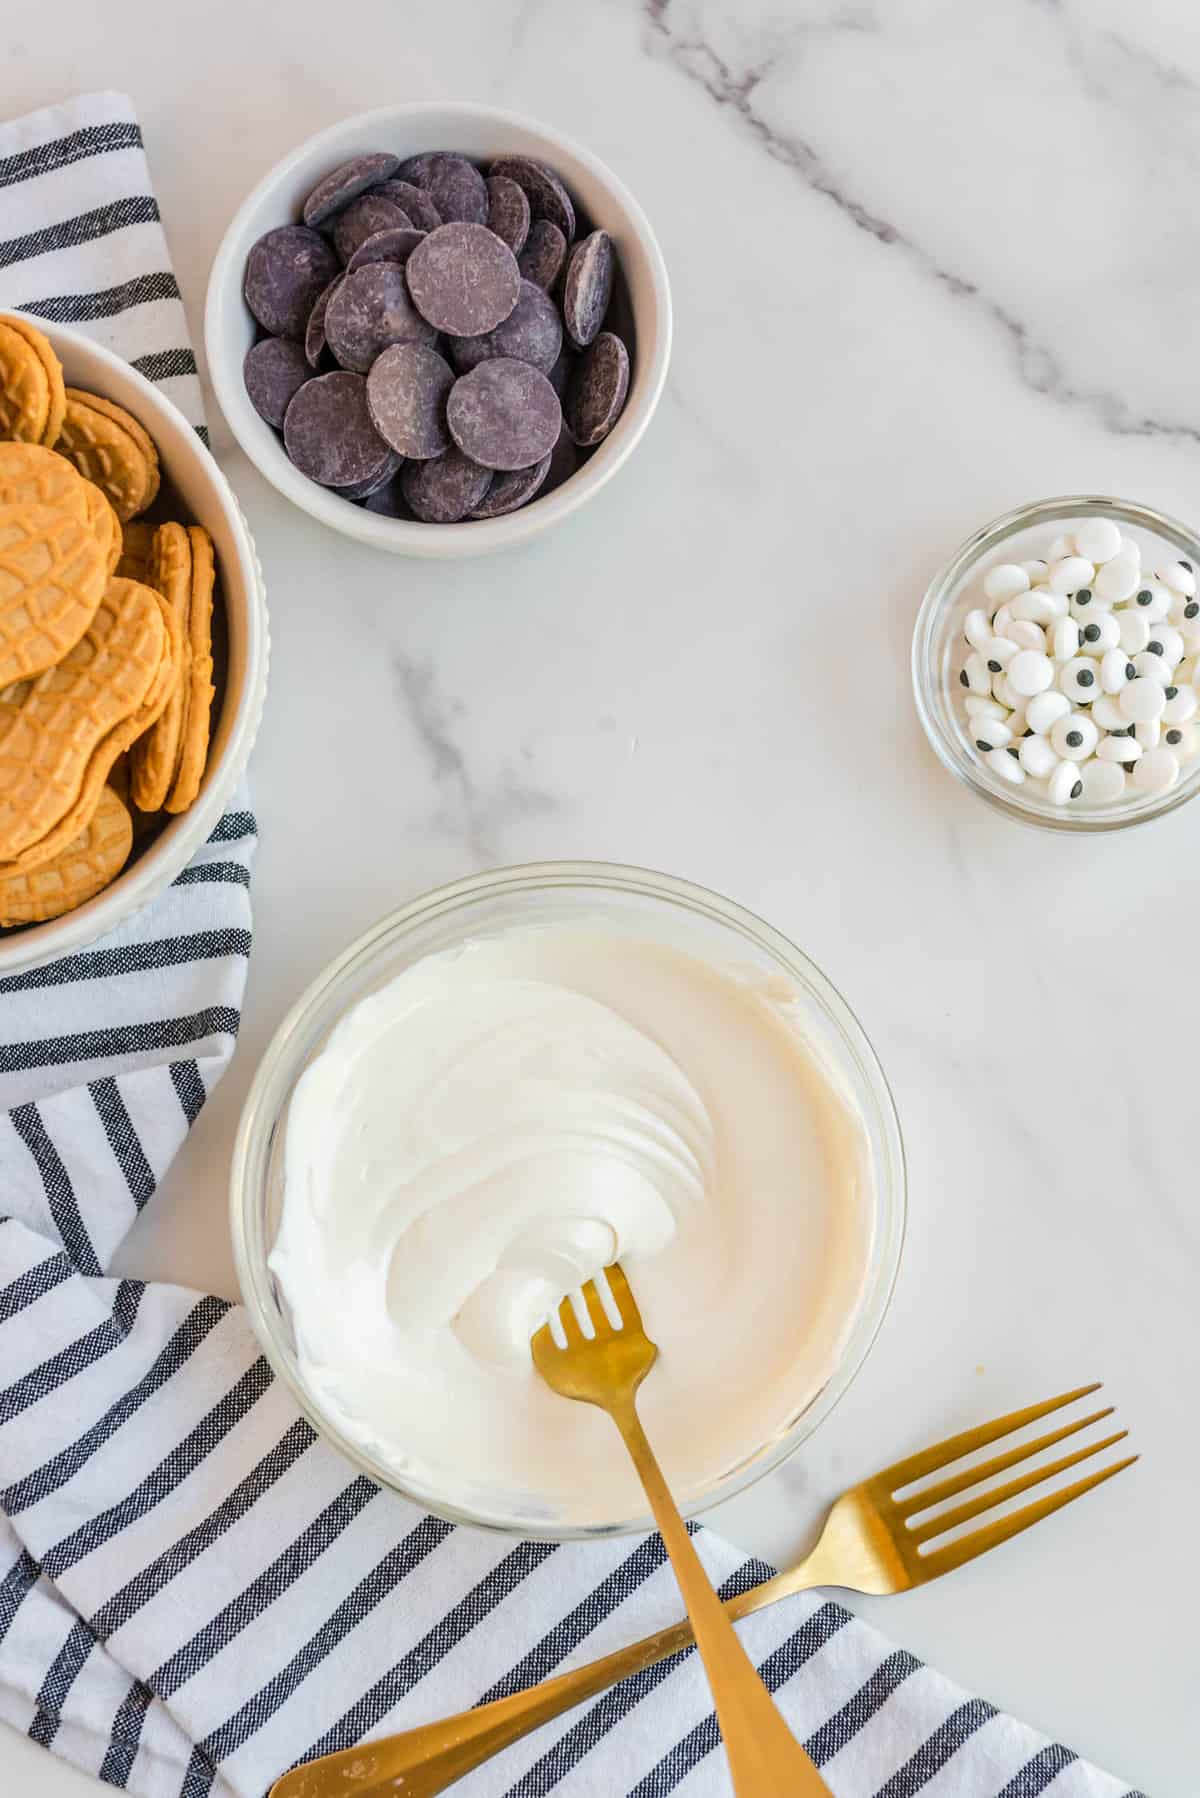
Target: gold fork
[[606, 1369], [867, 1545]]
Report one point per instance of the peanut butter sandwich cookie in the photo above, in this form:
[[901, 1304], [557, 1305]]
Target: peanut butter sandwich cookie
[[53, 570], [197, 674], [61, 733], [32, 397], [77, 873], [169, 760], [108, 445], [106, 664]]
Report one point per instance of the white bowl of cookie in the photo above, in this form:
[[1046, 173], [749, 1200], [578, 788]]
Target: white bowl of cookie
[[133, 642]]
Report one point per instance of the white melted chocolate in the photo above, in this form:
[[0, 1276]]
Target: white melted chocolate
[[499, 1122]]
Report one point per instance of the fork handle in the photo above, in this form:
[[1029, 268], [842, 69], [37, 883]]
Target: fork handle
[[435, 1756], [765, 1759]]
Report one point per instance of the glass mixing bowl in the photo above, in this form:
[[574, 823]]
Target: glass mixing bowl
[[937, 639], [685, 917]]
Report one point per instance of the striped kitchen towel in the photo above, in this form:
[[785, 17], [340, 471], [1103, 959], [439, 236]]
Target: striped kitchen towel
[[194, 1592]]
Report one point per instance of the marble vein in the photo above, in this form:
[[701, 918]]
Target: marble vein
[[468, 808], [1035, 362]]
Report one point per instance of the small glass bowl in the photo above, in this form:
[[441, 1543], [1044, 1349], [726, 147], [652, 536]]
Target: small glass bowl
[[686, 917], [937, 639]]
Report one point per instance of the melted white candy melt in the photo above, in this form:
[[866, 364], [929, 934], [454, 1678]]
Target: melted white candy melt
[[498, 1123]]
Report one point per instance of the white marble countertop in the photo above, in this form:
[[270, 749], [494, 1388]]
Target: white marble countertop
[[928, 262]]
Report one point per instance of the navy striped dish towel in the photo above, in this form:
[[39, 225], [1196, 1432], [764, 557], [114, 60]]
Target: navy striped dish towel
[[194, 1592]]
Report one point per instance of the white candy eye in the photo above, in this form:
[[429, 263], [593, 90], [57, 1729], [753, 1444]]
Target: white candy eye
[[1115, 670], [1157, 771], [1084, 604], [1065, 784], [1122, 750], [1070, 574], [998, 652], [1182, 705], [1098, 540], [1152, 600], [976, 628], [1134, 629], [1078, 680], [1030, 673], [1178, 575], [984, 708], [1045, 710], [1025, 635], [1180, 739], [1074, 738], [1037, 757], [1106, 711], [1149, 666], [1006, 766], [1148, 734], [1099, 634], [1001, 622], [1004, 582], [975, 674], [1141, 700], [1064, 639], [1166, 642], [991, 733], [1035, 571], [1102, 782], [1116, 581], [1035, 605]]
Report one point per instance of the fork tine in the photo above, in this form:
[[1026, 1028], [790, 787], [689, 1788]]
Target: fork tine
[[623, 1294], [596, 1311], [570, 1322], [959, 1482], [998, 1495], [955, 1554], [931, 1460]]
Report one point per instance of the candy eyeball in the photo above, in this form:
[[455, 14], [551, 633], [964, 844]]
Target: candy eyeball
[[1074, 737], [1004, 582], [1116, 581], [1079, 680], [1098, 540], [1080, 672]]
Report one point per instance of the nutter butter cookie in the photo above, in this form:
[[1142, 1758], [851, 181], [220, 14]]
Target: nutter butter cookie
[[108, 446], [89, 863], [30, 395], [53, 571], [92, 655]]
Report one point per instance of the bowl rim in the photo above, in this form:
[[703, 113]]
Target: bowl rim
[[400, 536], [167, 857], [260, 1116], [941, 596]]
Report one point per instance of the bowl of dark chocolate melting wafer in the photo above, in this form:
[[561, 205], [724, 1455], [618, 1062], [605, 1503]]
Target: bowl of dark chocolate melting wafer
[[439, 329]]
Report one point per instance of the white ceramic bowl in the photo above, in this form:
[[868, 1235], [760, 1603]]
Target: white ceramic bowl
[[206, 498], [481, 133]]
